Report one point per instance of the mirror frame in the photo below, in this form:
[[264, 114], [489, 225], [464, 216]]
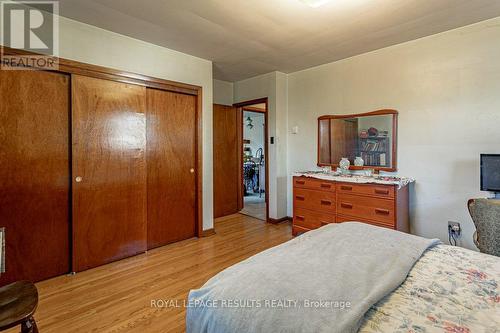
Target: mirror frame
[[394, 160]]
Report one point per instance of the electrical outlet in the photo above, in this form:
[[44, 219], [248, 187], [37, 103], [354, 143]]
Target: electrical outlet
[[454, 228]]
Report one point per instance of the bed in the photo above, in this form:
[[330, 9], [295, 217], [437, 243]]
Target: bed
[[352, 277]]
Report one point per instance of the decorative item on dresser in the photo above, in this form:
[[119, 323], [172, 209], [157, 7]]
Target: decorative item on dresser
[[344, 164], [320, 199]]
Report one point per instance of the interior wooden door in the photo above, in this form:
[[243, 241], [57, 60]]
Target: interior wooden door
[[109, 171], [226, 162], [34, 174], [171, 167]]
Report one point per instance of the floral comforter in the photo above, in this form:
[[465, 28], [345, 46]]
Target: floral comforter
[[450, 289]]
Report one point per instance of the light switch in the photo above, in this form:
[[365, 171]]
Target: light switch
[[295, 130]]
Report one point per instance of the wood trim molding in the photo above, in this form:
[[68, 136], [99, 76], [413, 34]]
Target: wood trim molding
[[240, 142], [75, 67], [280, 220], [266, 155], [208, 232], [372, 113], [252, 102], [199, 162], [254, 109]]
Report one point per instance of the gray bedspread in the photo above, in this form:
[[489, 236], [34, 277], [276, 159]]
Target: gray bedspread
[[322, 281]]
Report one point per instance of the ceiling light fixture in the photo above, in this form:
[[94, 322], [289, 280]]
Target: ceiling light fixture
[[315, 3]]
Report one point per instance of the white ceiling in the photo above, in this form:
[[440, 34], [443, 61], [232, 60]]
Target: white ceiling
[[245, 38]]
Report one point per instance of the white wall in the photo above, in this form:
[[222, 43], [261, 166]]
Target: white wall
[[96, 46], [447, 90], [223, 92], [274, 86]]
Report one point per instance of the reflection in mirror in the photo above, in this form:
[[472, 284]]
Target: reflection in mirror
[[324, 142], [369, 137]]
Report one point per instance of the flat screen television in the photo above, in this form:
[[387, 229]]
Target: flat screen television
[[490, 172]]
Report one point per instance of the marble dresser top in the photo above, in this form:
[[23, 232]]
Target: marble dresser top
[[356, 178]]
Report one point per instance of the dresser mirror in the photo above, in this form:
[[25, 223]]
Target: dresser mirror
[[367, 140]]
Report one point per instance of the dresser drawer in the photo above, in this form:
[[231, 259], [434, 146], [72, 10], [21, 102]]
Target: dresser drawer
[[381, 191], [342, 219], [373, 209], [314, 200], [309, 219], [313, 184]]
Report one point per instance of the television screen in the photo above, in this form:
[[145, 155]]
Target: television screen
[[490, 172]]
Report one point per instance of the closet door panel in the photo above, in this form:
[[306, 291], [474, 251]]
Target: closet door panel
[[109, 171], [34, 174], [171, 167]]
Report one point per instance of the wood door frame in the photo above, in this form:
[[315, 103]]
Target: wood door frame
[[76, 67], [240, 109], [80, 68]]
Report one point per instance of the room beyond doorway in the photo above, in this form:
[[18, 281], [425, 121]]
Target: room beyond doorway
[[254, 161]]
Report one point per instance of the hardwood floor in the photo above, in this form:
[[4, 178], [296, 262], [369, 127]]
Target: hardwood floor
[[117, 297]]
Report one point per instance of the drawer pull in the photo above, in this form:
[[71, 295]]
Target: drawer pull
[[300, 197], [326, 202], [300, 217], [382, 211], [324, 185], [379, 191], [346, 205], [346, 188], [300, 182]]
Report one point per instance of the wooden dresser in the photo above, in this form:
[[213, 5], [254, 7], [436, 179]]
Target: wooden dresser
[[318, 202]]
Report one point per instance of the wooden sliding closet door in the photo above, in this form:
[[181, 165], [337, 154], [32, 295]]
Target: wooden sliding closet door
[[171, 167], [34, 174], [226, 162], [109, 171]]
